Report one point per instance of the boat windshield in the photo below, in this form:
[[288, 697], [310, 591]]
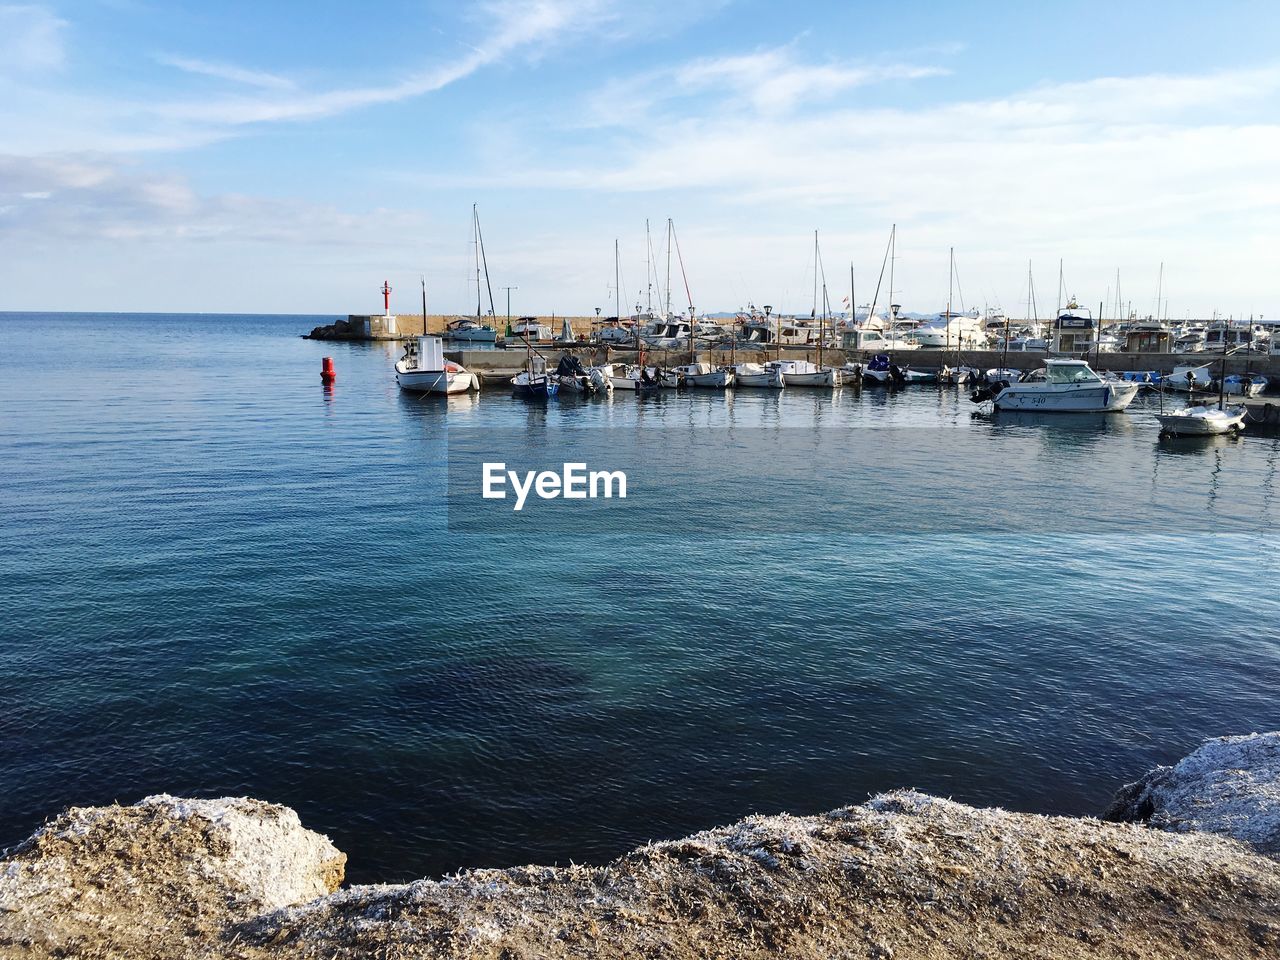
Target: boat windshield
[[1071, 373]]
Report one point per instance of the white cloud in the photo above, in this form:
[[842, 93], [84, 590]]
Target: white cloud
[[227, 71], [31, 38]]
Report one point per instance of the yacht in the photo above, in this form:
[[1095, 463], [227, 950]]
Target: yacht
[[466, 328], [1061, 386], [962, 331], [423, 369]]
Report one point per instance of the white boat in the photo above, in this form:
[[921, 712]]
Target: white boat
[[704, 374], [1245, 385], [802, 373], [1062, 386], [423, 369], [1202, 421], [960, 331], [629, 376], [876, 341], [1189, 379], [465, 328], [758, 375], [528, 328]]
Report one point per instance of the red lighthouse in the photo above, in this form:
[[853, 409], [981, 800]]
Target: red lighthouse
[[386, 299]]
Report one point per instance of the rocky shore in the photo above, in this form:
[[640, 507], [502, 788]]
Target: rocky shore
[[1186, 867]]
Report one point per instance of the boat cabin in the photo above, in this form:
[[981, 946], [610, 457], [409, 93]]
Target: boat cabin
[[1148, 337], [1073, 329], [1069, 371]]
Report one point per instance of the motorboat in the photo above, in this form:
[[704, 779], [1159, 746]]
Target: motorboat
[[470, 330], [1244, 385], [535, 383], [528, 328], [758, 375], [632, 377], [1189, 379], [803, 373], [1202, 421], [704, 374], [882, 370], [574, 378], [1061, 386], [871, 340], [423, 369], [960, 331]]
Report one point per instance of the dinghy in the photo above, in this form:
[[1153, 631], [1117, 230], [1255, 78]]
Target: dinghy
[[1247, 385]]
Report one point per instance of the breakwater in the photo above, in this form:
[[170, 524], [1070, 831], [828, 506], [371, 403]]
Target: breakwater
[[1186, 870]]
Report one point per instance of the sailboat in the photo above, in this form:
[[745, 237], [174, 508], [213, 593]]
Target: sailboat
[[474, 330], [695, 373], [804, 373], [635, 377]]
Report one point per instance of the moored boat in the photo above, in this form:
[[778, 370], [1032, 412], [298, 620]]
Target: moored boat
[[1060, 386], [1202, 421], [423, 369], [758, 375]]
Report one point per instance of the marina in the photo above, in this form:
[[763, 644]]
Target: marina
[[273, 580]]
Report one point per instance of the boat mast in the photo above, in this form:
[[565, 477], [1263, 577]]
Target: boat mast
[[669, 230], [475, 242], [648, 268], [485, 261], [424, 305], [821, 322], [951, 273]]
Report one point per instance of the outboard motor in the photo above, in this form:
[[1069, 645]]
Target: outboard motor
[[895, 373]]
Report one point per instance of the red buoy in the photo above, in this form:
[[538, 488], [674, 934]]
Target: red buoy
[[327, 373]]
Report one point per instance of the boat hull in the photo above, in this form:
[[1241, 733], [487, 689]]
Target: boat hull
[[1201, 422], [719, 380], [819, 378], [1100, 398], [472, 336], [770, 380], [435, 381]]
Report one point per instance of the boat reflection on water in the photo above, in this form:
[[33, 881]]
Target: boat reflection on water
[[1183, 444], [1092, 422]]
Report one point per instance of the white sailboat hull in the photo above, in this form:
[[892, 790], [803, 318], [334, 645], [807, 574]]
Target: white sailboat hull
[[473, 335], [1067, 398], [819, 378], [769, 380], [719, 380]]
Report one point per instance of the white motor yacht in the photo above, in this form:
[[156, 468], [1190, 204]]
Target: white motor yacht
[[1062, 386]]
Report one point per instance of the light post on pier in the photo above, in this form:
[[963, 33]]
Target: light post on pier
[[509, 289]]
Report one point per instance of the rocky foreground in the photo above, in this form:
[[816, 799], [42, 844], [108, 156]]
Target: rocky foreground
[[1189, 871]]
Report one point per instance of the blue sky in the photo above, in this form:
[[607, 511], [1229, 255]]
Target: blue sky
[[288, 157]]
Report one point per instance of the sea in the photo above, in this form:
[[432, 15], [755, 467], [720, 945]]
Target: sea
[[220, 577]]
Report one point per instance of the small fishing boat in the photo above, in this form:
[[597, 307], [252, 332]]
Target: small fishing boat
[[1201, 421], [1061, 386], [758, 375], [803, 373], [423, 369], [535, 383], [703, 374]]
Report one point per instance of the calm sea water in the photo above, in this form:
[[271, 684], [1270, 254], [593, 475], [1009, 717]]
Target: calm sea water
[[220, 578]]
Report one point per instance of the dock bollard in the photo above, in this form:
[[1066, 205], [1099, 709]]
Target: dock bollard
[[327, 373]]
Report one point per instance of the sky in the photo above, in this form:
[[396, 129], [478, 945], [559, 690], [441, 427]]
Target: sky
[[289, 157]]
